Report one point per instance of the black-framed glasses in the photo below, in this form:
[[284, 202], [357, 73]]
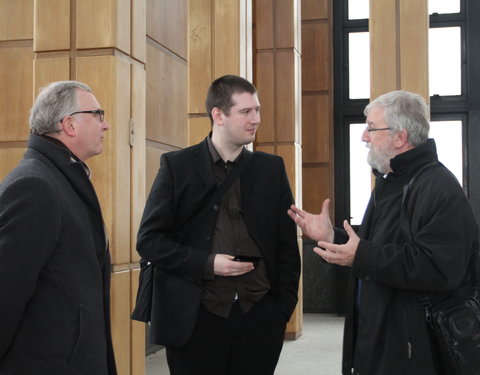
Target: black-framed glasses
[[376, 129], [99, 112]]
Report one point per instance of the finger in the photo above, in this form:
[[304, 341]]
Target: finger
[[348, 228], [324, 254], [326, 206], [329, 246]]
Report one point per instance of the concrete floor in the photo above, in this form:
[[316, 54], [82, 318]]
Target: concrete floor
[[317, 352]]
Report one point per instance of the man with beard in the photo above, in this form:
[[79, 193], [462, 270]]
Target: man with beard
[[393, 265]]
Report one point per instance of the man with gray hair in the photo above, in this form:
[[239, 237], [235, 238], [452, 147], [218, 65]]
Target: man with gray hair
[[407, 245], [54, 257]]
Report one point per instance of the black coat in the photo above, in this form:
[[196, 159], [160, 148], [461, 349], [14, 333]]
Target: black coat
[[182, 187], [54, 268], [390, 329]]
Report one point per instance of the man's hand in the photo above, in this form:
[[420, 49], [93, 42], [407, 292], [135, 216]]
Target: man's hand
[[317, 227], [224, 265], [342, 255]]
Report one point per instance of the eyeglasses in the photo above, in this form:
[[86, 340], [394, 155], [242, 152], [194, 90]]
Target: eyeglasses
[[99, 112], [375, 129]]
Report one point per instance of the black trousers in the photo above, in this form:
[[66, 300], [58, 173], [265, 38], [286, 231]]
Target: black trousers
[[242, 344]]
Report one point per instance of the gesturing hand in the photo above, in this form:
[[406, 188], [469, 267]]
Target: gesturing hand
[[316, 226], [224, 265], [342, 255]]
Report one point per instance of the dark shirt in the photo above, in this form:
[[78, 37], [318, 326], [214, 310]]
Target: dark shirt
[[231, 237]]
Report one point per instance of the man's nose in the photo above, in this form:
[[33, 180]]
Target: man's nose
[[365, 136]]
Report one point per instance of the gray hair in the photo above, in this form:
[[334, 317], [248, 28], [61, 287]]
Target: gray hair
[[404, 110], [53, 103]]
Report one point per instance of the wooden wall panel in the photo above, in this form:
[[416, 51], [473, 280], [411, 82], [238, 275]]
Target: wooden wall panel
[[52, 25], [277, 77], [265, 83], [285, 24], [10, 156], [120, 316], [414, 46], [264, 15], [138, 155], [198, 128], [269, 148], [50, 70], [226, 32], [316, 186], [102, 24], [139, 15], [167, 22], [137, 331], [315, 9], [16, 74], [285, 96], [317, 119], [16, 19], [316, 57], [166, 97], [199, 55], [384, 67], [109, 78]]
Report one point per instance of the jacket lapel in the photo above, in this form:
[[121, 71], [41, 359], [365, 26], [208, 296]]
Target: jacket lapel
[[203, 164]]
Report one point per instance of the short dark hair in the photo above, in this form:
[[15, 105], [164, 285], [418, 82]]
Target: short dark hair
[[221, 91]]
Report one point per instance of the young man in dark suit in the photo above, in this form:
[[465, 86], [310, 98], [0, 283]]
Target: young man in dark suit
[[216, 315], [54, 258]]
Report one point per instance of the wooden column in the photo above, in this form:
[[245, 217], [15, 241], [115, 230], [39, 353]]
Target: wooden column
[[278, 79], [103, 44], [219, 43], [399, 46], [317, 103], [16, 76]]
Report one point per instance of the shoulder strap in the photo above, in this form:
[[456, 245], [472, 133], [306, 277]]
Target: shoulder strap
[[219, 193]]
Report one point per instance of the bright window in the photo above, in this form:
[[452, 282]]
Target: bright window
[[448, 138], [445, 61], [360, 174], [443, 6], [358, 9], [359, 65]]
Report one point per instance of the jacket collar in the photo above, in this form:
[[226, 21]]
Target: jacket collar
[[71, 168]]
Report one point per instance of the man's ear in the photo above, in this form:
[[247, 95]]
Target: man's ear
[[401, 138], [67, 126], [217, 116]]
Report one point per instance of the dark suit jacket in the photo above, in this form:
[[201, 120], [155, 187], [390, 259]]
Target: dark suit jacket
[[182, 187], [54, 268]]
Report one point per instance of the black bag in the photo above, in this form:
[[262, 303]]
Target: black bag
[[454, 323], [143, 302], [455, 328]]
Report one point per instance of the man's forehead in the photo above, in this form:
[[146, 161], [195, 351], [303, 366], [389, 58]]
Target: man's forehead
[[245, 99]]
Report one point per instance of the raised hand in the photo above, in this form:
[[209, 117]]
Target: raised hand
[[315, 226]]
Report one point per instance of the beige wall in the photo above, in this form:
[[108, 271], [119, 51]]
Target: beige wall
[[48, 40]]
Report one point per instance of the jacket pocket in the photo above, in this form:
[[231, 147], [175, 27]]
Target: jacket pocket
[[81, 328]]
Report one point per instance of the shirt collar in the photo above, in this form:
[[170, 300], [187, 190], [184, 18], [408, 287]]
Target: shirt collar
[[214, 153]]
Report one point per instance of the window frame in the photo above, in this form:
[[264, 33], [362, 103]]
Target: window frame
[[464, 107]]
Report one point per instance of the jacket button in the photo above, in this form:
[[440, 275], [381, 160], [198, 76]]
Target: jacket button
[[216, 207]]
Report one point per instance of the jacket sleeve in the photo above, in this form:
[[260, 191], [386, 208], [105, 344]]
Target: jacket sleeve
[[288, 256], [158, 240], [445, 234], [30, 219]]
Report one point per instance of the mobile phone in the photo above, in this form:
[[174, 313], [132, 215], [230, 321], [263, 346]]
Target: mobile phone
[[247, 258]]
